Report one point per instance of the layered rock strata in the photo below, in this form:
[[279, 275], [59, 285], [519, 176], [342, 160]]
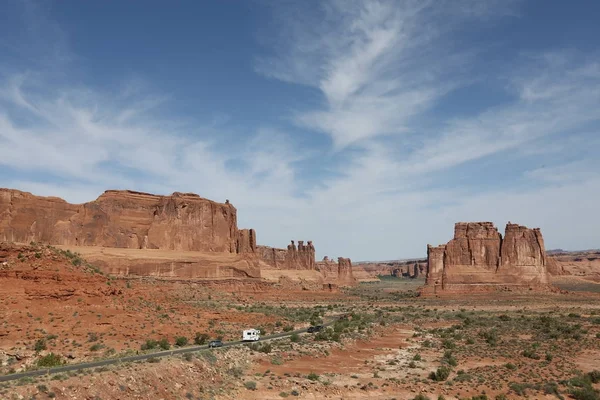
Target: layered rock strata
[[301, 257], [125, 219], [480, 258], [338, 273]]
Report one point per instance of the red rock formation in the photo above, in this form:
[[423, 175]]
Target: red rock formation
[[246, 241], [478, 258], [345, 271], [125, 219], [399, 269], [339, 274], [301, 257]]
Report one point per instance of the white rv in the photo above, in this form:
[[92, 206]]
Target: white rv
[[251, 335]]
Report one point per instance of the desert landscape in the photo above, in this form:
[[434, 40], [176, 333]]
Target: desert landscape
[[486, 316]]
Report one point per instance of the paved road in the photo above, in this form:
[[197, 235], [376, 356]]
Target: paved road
[[139, 357]]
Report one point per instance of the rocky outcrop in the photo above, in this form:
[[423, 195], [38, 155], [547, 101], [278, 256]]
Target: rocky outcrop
[[338, 273], [125, 219], [301, 257], [399, 269], [345, 271], [246, 241], [478, 258], [582, 264]]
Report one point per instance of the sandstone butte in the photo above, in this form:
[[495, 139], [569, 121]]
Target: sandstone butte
[[181, 235], [479, 258]]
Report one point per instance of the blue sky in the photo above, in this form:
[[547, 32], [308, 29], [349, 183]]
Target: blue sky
[[369, 127]]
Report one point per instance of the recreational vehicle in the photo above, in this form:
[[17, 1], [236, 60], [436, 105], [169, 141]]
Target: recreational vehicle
[[251, 335]]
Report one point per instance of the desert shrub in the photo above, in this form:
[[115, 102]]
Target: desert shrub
[[50, 360], [250, 385], [441, 374], [480, 397], [295, 337], [262, 348], [236, 372], [500, 396], [96, 347], [448, 344], [149, 345], [312, 376], [201, 338], [491, 337], [181, 341], [288, 328], [449, 359], [551, 388], [284, 394], [594, 376], [510, 366], [417, 357], [421, 396], [530, 353], [92, 337], [520, 388], [40, 345], [164, 344]]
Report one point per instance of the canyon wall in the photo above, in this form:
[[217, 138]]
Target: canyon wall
[[301, 257], [125, 219], [478, 258], [399, 269]]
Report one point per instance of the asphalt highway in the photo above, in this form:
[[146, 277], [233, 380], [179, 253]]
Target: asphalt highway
[[139, 357]]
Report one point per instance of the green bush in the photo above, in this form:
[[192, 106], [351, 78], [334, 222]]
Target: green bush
[[181, 341], [201, 338], [40, 345], [164, 344], [312, 376], [149, 345], [250, 385], [441, 374], [50, 360], [96, 347], [510, 366], [594, 376], [421, 396], [530, 353], [295, 337]]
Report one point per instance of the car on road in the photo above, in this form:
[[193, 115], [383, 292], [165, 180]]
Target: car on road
[[315, 328], [215, 343]]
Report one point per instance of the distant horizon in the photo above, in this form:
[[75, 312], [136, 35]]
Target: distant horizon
[[367, 126]]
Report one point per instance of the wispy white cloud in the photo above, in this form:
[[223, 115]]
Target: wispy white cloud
[[381, 68]]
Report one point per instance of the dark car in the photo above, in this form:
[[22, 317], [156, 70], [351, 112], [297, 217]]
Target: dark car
[[315, 328], [215, 343]]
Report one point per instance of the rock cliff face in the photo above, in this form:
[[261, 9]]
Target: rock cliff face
[[337, 274], [125, 219], [400, 269], [301, 257], [345, 271], [478, 258]]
